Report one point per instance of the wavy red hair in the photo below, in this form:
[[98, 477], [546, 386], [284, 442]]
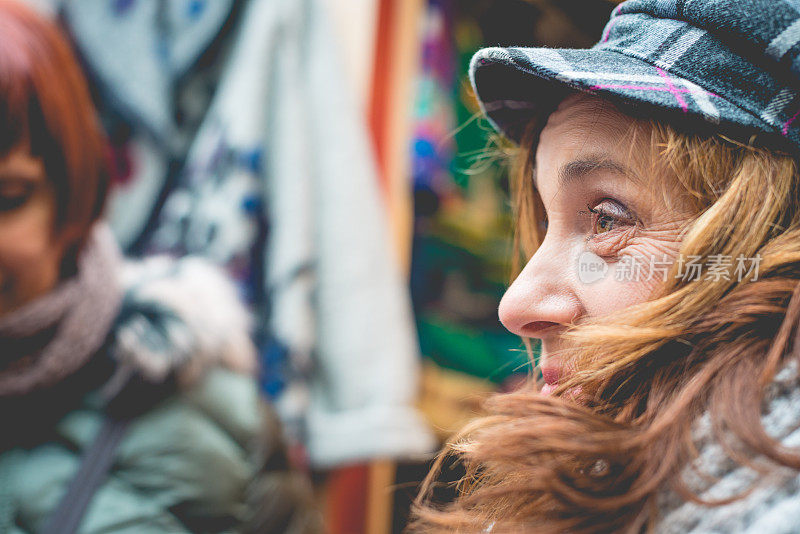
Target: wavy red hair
[[601, 460]]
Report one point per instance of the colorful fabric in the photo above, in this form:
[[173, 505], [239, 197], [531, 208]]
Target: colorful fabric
[[730, 66], [232, 141], [462, 222]]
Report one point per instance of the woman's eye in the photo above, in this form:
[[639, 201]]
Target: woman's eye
[[14, 196], [11, 203], [603, 223], [612, 227], [607, 216]]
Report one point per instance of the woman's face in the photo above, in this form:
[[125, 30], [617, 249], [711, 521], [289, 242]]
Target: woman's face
[[30, 254], [605, 217]]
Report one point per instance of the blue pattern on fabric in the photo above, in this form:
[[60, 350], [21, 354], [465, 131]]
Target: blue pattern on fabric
[[274, 357], [121, 6], [195, 8]]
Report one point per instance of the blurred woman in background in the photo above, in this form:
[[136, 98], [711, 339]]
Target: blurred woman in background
[[658, 203], [128, 401]]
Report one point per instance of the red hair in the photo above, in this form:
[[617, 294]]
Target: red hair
[[601, 460], [45, 102]]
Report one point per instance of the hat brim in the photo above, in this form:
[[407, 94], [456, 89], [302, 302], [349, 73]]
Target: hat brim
[[516, 85]]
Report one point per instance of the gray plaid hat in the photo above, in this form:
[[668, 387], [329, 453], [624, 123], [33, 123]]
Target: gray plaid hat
[[731, 66]]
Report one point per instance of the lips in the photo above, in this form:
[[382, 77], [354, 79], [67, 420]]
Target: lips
[[551, 377]]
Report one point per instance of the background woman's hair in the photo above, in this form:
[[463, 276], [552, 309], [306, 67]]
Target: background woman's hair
[[45, 104], [597, 461]]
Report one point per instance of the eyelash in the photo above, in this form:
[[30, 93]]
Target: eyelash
[[11, 202], [608, 244], [600, 214]]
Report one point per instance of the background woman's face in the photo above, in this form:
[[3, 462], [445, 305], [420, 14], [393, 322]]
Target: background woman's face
[[602, 206], [30, 256]]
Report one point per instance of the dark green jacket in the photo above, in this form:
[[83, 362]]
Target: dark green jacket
[[207, 457]]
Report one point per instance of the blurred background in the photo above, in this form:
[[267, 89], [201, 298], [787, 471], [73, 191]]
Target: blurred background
[[391, 137]]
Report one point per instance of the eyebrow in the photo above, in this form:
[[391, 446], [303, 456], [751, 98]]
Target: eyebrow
[[580, 168]]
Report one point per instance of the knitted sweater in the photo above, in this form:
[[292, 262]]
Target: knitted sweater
[[773, 506], [269, 174]]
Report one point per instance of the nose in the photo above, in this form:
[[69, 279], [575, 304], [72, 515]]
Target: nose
[[541, 299]]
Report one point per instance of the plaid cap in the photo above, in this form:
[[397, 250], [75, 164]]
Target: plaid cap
[[730, 66]]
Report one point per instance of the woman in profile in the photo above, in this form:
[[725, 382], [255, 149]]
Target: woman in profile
[[128, 401], [658, 204]]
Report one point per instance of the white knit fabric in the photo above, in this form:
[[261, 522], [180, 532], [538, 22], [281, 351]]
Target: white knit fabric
[[773, 507]]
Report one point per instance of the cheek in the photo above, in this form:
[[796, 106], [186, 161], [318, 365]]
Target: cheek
[[612, 294], [29, 258], [631, 280]]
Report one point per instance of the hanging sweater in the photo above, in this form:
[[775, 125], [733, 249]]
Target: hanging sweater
[[235, 138]]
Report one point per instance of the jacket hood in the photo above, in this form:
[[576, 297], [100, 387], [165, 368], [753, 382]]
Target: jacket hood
[[183, 317]]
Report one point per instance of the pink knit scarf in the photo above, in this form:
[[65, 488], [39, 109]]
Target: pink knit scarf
[[64, 328]]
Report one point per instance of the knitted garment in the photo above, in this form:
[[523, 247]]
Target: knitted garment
[[773, 506], [54, 335]]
